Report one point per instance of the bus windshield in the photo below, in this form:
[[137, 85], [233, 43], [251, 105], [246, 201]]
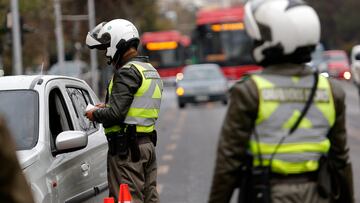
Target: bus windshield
[[227, 48], [164, 58]]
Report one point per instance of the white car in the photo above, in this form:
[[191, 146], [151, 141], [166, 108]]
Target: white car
[[62, 154], [355, 64]]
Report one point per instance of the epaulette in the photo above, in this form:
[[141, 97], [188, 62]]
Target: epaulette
[[244, 78], [128, 65]]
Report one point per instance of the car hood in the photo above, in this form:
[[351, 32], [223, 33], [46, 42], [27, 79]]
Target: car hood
[[27, 157], [336, 65], [202, 83]]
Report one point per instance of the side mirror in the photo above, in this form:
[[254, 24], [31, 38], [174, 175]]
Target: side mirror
[[69, 141]]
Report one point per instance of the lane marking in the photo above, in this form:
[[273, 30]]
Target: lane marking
[[167, 157], [171, 147], [353, 132], [159, 188], [175, 137], [163, 169], [177, 130]]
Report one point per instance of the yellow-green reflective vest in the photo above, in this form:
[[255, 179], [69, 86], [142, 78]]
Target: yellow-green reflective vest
[[144, 109], [281, 100]]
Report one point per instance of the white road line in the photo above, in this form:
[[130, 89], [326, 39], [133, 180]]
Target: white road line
[[353, 132], [163, 169], [177, 130], [171, 147], [175, 136], [159, 188], [167, 157]]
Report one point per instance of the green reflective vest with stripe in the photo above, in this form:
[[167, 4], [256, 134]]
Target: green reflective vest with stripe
[[144, 109], [281, 100]]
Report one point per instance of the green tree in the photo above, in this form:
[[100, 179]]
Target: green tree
[[339, 21], [40, 45]]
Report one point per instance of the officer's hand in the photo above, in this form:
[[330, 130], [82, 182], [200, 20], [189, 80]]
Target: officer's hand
[[89, 114], [100, 105]]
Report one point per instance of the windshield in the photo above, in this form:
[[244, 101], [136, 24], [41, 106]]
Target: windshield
[[336, 57], [201, 72], [165, 58], [223, 47], [20, 109]]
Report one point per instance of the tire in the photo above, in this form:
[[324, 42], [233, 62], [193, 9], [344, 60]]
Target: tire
[[181, 105]]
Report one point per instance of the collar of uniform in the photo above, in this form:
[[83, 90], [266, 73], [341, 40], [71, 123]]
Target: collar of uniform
[[288, 69], [140, 58]]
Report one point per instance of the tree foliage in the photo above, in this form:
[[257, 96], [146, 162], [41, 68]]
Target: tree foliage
[[40, 45], [339, 22]]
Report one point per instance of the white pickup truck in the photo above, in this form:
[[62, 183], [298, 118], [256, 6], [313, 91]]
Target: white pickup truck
[[63, 154]]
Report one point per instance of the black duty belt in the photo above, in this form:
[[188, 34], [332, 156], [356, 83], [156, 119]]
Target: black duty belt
[[143, 138], [277, 178]]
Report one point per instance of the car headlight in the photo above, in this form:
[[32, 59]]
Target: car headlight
[[180, 91], [347, 75], [325, 74], [179, 76]]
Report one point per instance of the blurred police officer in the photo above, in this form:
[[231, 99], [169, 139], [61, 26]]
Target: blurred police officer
[[267, 116], [131, 109], [13, 186]]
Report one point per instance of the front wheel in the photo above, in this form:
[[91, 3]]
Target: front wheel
[[181, 105]]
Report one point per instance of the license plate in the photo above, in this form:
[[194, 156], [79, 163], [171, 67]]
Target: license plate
[[202, 98]]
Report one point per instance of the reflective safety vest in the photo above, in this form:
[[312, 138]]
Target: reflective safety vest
[[144, 109], [281, 100]]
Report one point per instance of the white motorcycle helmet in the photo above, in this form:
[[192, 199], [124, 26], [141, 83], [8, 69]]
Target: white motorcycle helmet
[[283, 30], [116, 37]]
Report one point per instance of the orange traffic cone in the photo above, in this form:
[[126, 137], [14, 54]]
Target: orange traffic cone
[[109, 200], [124, 194]]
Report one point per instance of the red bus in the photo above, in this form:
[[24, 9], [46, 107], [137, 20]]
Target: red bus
[[167, 51], [219, 37]]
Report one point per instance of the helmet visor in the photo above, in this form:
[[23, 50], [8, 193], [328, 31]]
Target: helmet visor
[[98, 42]]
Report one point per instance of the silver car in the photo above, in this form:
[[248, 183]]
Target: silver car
[[76, 68], [62, 154], [201, 83]]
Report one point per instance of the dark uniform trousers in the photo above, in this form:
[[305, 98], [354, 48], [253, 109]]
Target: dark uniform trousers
[[140, 176]]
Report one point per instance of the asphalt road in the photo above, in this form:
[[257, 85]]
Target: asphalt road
[[187, 145]]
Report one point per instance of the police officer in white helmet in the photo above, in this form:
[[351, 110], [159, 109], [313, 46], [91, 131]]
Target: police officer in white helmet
[[285, 125], [129, 113]]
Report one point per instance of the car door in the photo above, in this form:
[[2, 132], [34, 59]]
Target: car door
[[80, 96], [68, 173]]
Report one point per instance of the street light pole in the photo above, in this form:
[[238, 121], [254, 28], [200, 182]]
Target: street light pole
[[16, 38], [59, 34], [93, 54]]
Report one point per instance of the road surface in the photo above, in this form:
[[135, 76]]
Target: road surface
[[188, 140]]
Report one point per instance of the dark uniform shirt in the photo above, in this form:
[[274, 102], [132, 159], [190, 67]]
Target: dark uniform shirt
[[239, 124], [126, 82]]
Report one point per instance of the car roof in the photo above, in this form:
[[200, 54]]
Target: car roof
[[202, 66], [335, 52], [26, 81]]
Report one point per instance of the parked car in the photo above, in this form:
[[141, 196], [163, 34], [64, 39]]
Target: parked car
[[77, 69], [201, 83], [337, 64], [355, 64], [62, 154]]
